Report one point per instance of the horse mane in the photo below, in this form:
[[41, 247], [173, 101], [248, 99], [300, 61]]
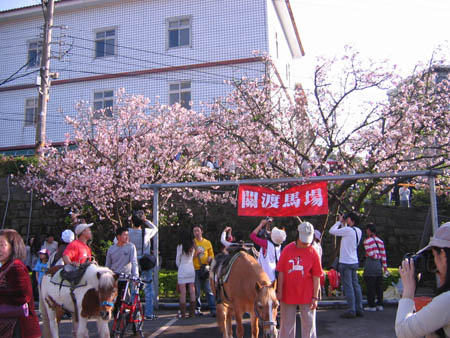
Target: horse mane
[[106, 280]]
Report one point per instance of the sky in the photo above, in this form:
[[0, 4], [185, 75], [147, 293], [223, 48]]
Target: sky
[[403, 31]]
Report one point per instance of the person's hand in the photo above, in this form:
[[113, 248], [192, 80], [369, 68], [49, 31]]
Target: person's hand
[[227, 228], [279, 294], [408, 277], [386, 273], [314, 303], [76, 264]]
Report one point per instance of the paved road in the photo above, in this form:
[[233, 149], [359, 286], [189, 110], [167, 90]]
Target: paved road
[[329, 325]]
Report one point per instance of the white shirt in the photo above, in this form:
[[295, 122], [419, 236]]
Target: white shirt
[[425, 322], [268, 261], [348, 253]]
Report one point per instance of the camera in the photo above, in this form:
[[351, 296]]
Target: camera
[[423, 263]]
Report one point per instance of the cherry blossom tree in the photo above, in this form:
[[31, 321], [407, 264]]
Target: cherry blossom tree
[[110, 154], [269, 133]]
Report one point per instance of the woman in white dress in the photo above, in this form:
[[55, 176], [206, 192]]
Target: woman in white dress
[[186, 272]]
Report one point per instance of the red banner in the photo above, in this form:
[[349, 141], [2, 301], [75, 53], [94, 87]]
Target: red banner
[[302, 200]]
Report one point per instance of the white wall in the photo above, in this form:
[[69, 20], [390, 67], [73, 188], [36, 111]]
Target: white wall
[[222, 30]]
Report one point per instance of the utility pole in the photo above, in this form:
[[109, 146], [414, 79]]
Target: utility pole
[[48, 7]]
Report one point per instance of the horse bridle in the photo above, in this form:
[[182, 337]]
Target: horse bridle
[[263, 322]]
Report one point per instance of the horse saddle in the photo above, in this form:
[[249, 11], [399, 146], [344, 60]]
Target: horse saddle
[[70, 275], [221, 271]]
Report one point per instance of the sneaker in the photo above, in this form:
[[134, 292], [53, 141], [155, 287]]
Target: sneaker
[[151, 317], [198, 313], [380, 308], [359, 314], [370, 309], [350, 315]]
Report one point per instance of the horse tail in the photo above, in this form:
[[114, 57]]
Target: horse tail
[[43, 307]]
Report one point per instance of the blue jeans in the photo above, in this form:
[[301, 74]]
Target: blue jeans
[[352, 289], [205, 286], [149, 291]]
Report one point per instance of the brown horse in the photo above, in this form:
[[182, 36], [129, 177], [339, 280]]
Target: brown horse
[[247, 289]]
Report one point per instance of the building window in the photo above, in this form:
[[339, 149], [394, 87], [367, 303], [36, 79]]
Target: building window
[[180, 92], [34, 53], [105, 43], [179, 32], [31, 112], [103, 100]]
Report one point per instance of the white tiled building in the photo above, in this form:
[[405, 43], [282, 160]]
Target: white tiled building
[[173, 49]]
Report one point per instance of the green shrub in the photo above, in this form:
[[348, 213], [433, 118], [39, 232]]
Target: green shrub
[[168, 284], [15, 165]]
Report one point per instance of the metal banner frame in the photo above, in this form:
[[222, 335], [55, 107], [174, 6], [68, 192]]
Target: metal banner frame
[[431, 174]]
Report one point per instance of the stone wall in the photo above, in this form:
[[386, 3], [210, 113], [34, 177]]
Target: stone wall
[[44, 218], [401, 229]]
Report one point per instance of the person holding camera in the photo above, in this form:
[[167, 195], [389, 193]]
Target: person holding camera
[[203, 257], [433, 320], [141, 235], [346, 227], [270, 249]]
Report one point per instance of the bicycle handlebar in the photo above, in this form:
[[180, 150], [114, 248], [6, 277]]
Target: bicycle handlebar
[[132, 278]]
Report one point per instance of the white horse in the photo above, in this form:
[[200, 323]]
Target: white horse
[[94, 294]]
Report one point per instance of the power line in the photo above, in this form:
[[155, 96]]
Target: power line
[[157, 53], [17, 71]]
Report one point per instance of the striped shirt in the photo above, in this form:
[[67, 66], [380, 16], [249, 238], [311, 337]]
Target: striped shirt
[[374, 251]]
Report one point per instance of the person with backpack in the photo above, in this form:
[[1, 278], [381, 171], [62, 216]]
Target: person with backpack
[[346, 227], [141, 235], [270, 249]]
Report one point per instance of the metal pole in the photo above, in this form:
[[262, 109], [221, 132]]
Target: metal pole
[[434, 212], [49, 9], [298, 180], [156, 246]]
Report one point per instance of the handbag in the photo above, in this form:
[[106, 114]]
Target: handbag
[[147, 261], [204, 272], [13, 311]]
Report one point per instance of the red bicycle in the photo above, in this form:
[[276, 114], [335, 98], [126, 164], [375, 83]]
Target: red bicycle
[[130, 310]]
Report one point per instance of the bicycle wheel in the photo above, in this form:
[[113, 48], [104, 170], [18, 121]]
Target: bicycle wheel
[[120, 325], [138, 321]]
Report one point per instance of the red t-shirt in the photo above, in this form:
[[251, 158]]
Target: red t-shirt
[[298, 265], [78, 252]]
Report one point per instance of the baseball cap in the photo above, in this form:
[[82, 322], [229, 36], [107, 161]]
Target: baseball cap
[[44, 251], [305, 232], [441, 238], [317, 235], [81, 227], [278, 236], [67, 236]]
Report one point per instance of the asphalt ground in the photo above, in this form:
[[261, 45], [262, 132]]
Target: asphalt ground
[[329, 325]]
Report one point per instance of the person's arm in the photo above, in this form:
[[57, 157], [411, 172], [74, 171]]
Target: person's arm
[[108, 262], [371, 248], [315, 297], [259, 241], [280, 285], [134, 262], [152, 228], [178, 258], [66, 260], [210, 253], [223, 238], [430, 318]]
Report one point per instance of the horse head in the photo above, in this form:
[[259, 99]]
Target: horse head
[[266, 308], [107, 292]]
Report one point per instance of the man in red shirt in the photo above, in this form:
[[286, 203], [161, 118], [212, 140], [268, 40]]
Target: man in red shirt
[[299, 271], [78, 252]]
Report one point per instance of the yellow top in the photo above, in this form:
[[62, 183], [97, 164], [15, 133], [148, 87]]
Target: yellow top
[[206, 251]]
